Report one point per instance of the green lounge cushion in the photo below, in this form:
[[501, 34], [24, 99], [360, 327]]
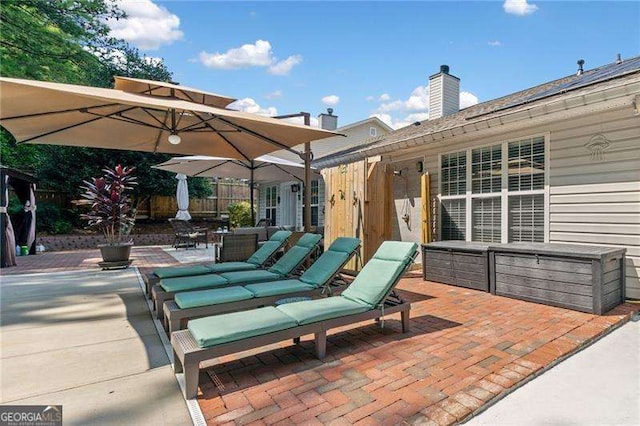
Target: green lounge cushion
[[242, 277], [380, 273], [216, 296], [309, 240], [327, 265], [219, 268], [280, 236], [274, 288], [192, 283], [345, 244], [220, 329], [310, 311], [288, 263], [181, 271], [264, 253]]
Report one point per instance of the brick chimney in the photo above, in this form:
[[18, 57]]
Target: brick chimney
[[328, 121], [444, 94]]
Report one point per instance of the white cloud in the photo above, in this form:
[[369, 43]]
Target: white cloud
[[369, 98], [519, 7], [415, 107], [259, 54], [494, 43], [147, 25], [276, 94], [250, 105], [467, 99], [385, 97], [331, 100], [284, 67]]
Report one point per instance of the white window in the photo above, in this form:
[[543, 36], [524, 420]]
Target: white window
[[373, 131], [504, 188], [314, 203], [271, 204]]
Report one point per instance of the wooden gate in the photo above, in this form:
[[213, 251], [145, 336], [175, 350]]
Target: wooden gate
[[358, 204]]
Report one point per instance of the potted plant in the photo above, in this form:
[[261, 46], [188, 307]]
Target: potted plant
[[111, 211]]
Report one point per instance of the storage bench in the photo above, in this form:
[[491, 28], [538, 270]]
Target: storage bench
[[460, 263], [582, 278]]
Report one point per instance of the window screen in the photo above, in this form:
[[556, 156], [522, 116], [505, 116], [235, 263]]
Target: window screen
[[526, 164], [486, 221], [453, 219], [454, 173], [526, 218], [486, 169]]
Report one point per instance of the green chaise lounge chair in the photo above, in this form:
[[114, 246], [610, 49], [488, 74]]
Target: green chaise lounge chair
[[287, 265], [314, 281], [259, 259], [370, 296]]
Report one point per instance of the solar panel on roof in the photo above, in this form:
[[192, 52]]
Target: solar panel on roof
[[594, 76]]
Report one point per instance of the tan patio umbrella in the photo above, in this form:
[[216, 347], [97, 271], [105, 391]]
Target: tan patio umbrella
[[171, 90], [64, 114], [265, 168]]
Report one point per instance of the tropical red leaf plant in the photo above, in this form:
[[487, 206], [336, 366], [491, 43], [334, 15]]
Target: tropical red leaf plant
[[111, 211]]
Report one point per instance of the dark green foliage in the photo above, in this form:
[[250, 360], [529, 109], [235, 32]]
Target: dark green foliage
[[240, 214]]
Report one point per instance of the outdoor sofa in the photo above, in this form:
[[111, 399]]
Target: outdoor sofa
[[287, 265], [319, 278], [259, 259], [369, 296]]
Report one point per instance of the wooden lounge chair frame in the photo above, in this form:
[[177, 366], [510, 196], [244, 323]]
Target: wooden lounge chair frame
[[152, 279], [160, 296], [175, 317], [187, 355]]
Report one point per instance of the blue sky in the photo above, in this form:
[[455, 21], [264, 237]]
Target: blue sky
[[374, 58]]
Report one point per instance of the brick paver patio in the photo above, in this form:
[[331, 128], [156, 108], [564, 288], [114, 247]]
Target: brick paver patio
[[465, 349]]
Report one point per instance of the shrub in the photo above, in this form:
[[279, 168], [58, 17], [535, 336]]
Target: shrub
[[240, 214]]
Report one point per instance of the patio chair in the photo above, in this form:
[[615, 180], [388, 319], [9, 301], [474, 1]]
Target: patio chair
[[237, 248], [318, 279], [259, 259], [370, 296], [187, 235], [284, 268]]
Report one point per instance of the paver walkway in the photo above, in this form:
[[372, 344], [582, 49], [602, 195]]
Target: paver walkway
[[465, 349]]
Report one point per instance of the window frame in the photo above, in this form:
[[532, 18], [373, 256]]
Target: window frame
[[271, 203], [504, 193]]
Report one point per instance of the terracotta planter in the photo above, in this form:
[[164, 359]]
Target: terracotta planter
[[115, 252]]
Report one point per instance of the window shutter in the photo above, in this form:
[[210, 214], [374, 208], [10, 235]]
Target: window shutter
[[453, 219], [526, 218], [486, 213]]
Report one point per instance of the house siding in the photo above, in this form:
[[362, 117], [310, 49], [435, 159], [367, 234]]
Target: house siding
[[591, 199]]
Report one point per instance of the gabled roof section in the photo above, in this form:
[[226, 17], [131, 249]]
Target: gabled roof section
[[540, 94], [372, 120]]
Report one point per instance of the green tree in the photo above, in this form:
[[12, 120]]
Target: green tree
[[68, 41]]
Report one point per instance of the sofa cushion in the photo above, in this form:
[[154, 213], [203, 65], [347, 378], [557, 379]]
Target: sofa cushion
[[181, 271], [216, 296], [274, 288], [219, 329], [192, 283], [244, 277], [310, 311]]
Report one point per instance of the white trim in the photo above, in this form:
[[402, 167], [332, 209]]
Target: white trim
[[547, 185], [467, 206]]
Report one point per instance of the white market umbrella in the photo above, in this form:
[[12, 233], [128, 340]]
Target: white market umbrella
[[182, 196], [265, 168]]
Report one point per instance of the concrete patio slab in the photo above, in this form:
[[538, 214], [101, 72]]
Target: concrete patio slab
[[85, 339], [600, 385]]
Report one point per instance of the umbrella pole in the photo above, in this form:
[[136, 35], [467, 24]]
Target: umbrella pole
[[253, 213], [307, 179]]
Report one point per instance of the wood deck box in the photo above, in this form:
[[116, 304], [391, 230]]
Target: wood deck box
[[582, 278], [460, 263]]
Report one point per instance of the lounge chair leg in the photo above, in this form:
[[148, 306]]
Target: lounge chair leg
[[405, 320], [296, 340], [158, 305], [321, 344], [177, 365], [191, 374]]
